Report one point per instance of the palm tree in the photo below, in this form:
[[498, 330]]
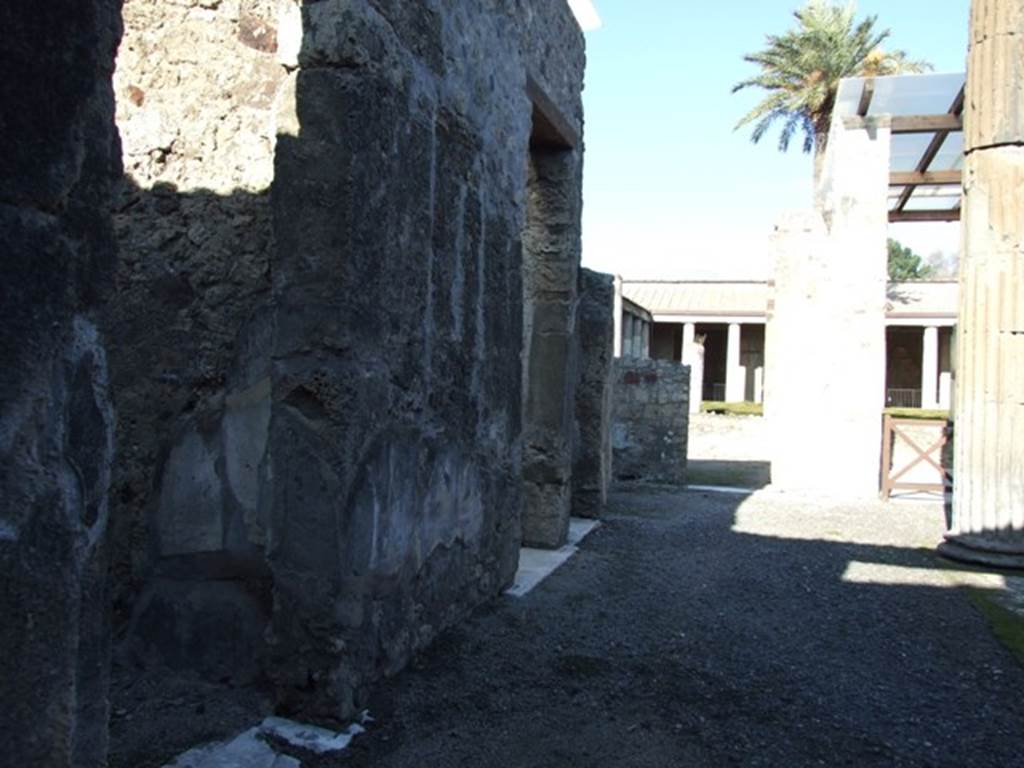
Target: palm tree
[[801, 70]]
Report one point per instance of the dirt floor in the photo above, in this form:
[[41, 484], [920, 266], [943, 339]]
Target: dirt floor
[[701, 629]]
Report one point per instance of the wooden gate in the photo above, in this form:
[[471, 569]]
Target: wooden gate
[[895, 433]]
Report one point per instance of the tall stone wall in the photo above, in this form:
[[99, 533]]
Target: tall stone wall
[[198, 85], [319, 323], [395, 434], [592, 448], [57, 253], [651, 420]]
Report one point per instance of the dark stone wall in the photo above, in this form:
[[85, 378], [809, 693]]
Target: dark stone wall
[[57, 254], [395, 435], [592, 449], [197, 85], [651, 420]]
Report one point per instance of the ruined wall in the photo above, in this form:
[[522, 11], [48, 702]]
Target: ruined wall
[[395, 451], [57, 252], [651, 420], [197, 85], [592, 448]]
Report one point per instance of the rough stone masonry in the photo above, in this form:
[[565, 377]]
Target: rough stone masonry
[[318, 323], [651, 420], [316, 337], [57, 254]]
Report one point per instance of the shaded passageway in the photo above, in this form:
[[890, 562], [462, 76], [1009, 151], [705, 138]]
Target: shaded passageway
[[705, 629]]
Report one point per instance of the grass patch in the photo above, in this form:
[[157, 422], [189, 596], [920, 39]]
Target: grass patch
[[1007, 626], [732, 409], [917, 413]]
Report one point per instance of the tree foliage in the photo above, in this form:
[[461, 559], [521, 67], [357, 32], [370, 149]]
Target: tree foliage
[[904, 264], [801, 70]]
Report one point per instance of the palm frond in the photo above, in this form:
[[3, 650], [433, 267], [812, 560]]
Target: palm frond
[[801, 69]]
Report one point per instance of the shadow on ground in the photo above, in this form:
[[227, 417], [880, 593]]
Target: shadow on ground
[[706, 630], [733, 474], [703, 629]]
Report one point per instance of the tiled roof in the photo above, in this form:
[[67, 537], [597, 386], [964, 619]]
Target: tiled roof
[[932, 298], [699, 297]]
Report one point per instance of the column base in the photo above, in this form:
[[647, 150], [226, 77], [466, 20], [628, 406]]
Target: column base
[[984, 550]]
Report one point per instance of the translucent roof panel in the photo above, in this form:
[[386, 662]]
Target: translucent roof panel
[[932, 203], [901, 94], [916, 146], [906, 150], [951, 156]]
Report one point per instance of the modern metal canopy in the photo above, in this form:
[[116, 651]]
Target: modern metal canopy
[[927, 138]]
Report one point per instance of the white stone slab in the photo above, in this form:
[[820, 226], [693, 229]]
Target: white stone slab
[[535, 565], [311, 737], [721, 489], [246, 750], [250, 749]]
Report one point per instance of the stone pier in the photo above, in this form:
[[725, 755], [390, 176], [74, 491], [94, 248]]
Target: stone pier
[[988, 493], [830, 282], [592, 449]]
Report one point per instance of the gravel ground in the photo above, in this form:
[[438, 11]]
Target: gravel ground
[[697, 629], [691, 629]]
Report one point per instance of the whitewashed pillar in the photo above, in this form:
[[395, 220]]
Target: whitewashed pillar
[[930, 368], [734, 378], [686, 346]]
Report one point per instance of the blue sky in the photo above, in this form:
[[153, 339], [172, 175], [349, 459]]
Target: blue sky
[[670, 190]]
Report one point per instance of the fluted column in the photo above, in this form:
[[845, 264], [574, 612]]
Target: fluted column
[[988, 494]]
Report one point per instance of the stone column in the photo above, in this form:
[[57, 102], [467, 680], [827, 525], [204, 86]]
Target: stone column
[[686, 345], [987, 523], [930, 368], [734, 378], [695, 358], [626, 340], [646, 330]]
